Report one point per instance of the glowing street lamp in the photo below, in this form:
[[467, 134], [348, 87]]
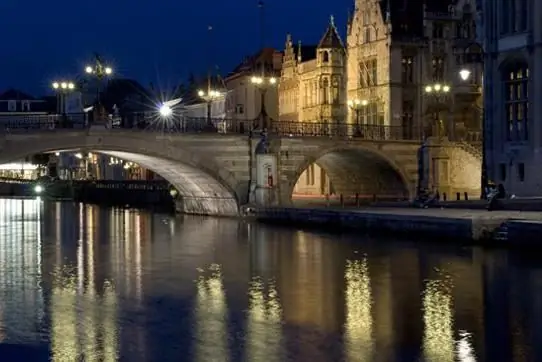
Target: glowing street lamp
[[209, 96], [356, 105], [100, 70], [62, 88], [437, 90], [263, 83], [464, 74], [165, 111]]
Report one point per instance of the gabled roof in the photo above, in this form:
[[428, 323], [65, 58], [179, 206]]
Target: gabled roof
[[15, 95], [249, 65], [331, 38]]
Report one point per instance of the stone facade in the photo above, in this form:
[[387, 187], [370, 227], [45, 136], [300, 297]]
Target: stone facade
[[512, 37], [313, 80], [397, 48]]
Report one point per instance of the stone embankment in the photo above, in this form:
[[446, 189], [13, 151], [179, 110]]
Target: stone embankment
[[452, 224]]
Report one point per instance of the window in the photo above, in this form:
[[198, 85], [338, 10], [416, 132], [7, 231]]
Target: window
[[325, 91], [513, 16], [521, 172], [438, 31], [368, 73], [325, 57], [26, 106], [335, 90], [516, 87], [438, 69], [502, 171], [407, 75], [12, 106], [373, 114], [240, 109], [367, 35]]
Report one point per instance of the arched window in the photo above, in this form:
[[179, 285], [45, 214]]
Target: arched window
[[325, 57], [516, 95], [367, 36]]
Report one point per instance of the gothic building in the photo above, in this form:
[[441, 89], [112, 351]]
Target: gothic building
[[512, 36], [313, 80], [397, 49]]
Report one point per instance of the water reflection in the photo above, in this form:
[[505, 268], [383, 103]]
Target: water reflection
[[438, 341], [210, 316], [359, 319], [83, 323], [264, 322], [110, 284]]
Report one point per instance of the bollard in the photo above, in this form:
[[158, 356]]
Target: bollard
[[357, 199], [458, 196], [444, 196], [342, 200], [327, 200], [466, 195]]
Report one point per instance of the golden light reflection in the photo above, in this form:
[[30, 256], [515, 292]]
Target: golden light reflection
[[438, 340], [359, 342], [264, 329], [210, 316], [84, 324], [465, 351]]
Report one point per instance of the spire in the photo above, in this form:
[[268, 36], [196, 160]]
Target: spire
[[331, 38], [299, 57]]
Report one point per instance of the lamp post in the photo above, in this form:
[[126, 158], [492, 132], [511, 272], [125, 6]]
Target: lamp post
[[356, 105], [209, 96], [100, 70], [465, 75], [263, 83], [438, 91], [62, 88]]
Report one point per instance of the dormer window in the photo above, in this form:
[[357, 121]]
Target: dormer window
[[325, 57], [12, 106]]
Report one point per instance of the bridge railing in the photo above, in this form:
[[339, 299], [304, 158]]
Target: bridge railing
[[152, 122]]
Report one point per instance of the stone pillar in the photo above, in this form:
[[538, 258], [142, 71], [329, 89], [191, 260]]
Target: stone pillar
[[439, 160], [265, 193]]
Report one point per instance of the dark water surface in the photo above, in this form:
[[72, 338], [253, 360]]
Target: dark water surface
[[83, 283]]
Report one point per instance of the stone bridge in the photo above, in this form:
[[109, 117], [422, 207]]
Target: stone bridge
[[213, 172]]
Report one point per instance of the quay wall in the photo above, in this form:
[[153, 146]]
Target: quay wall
[[467, 227]]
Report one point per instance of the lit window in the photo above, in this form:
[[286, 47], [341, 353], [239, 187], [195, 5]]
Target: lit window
[[516, 85]]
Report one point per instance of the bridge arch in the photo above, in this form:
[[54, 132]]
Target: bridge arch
[[356, 169], [204, 187]]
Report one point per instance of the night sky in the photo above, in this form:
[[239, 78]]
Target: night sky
[[152, 41]]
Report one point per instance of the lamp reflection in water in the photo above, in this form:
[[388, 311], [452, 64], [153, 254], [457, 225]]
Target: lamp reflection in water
[[84, 321], [264, 330], [359, 320], [464, 350], [210, 316], [438, 341], [21, 294]]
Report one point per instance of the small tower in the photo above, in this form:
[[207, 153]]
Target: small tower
[[331, 64]]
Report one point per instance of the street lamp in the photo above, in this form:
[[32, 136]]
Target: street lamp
[[100, 70], [438, 91], [209, 96], [263, 83], [465, 76], [356, 105]]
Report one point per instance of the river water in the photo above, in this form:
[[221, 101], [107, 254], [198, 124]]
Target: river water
[[84, 283]]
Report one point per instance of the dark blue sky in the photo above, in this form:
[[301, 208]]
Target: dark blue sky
[[151, 41]]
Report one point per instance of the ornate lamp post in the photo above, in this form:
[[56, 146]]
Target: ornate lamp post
[[209, 96], [100, 70], [357, 105], [437, 91], [62, 88], [262, 83]]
